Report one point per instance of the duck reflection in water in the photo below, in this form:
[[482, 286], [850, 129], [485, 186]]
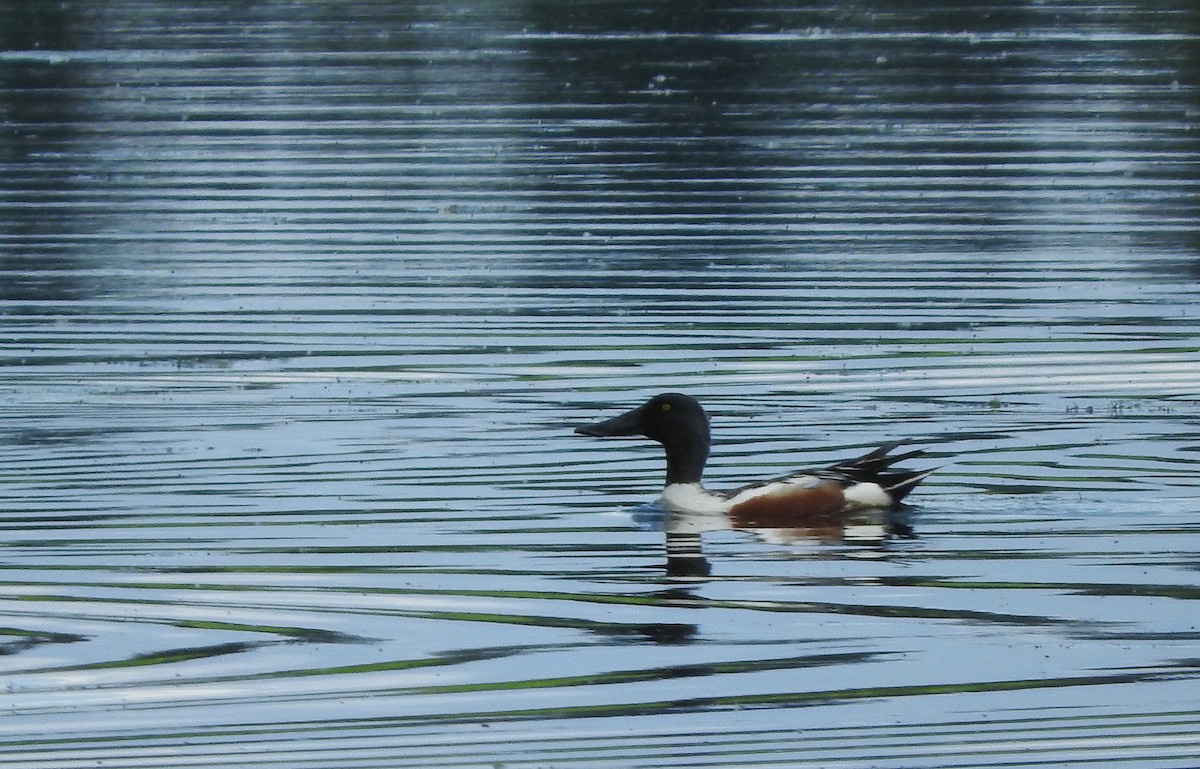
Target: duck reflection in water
[[864, 527], [848, 499]]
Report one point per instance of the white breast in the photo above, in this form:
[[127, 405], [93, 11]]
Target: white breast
[[693, 498]]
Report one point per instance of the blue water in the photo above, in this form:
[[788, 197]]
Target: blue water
[[301, 304]]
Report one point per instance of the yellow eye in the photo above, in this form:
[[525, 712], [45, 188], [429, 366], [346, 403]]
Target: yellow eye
[[666, 407]]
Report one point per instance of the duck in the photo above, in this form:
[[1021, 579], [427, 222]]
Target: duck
[[680, 424]]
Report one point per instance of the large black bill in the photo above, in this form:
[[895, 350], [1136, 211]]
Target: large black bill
[[629, 423]]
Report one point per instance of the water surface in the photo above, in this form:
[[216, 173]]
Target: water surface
[[301, 303]]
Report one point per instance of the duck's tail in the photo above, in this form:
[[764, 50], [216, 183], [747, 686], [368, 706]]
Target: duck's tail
[[876, 467]]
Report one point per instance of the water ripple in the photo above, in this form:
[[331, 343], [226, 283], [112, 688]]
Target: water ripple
[[300, 310]]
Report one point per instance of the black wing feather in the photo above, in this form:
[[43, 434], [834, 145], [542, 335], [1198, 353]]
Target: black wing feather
[[875, 467]]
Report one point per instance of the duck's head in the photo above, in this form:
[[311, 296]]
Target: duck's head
[[676, 421]]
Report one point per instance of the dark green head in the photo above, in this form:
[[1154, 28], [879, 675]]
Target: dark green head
[[676, 421]]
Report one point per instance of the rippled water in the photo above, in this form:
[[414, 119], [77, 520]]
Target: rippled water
[[301, 302]]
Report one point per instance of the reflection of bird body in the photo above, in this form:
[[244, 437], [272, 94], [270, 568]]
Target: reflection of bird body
[[679, 423]]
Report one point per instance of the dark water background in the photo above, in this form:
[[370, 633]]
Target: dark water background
[[299, 303]]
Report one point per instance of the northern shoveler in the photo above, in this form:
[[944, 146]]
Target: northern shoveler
[[680, 424]]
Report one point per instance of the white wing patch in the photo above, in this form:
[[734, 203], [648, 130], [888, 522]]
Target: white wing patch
[[803, 481]]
